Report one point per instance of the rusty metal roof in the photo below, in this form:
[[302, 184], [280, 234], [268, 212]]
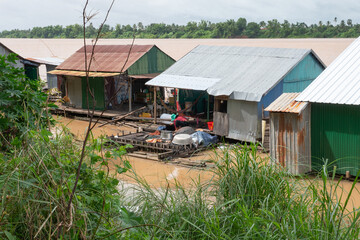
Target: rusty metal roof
[[82, 73], [107, 58], [286, 103]]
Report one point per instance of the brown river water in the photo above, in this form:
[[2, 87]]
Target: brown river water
[[159, 174]]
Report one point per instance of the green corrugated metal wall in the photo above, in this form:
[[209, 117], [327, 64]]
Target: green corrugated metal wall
[[303, 74], [154, 61], [335, 135], [97, 86]]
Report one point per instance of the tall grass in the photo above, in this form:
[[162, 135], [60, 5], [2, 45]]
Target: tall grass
[[36, 180], [249, 198]]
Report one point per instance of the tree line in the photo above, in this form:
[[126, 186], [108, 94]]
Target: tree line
[[240, 28]]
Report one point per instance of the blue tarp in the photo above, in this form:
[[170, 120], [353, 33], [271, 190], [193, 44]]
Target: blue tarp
[[203, 138]]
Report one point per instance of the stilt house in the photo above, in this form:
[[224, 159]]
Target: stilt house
[[117, 74], [335, 113], [242, 81]]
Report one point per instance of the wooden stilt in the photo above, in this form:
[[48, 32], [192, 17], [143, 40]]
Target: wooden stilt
[[155, 107], [208, 108], [130, 95]]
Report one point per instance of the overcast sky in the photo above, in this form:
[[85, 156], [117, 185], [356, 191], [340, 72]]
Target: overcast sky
[[24, 14]]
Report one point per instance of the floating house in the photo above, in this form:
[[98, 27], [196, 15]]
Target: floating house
[[335, 113], [243, 81], [115, 70], [31, 67], [50, 64], [290, 133]]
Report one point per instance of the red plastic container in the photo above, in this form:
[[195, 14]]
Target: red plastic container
[[210, 125]]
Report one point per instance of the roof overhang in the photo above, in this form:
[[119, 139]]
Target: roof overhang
[[83, 74], [183, 82], [145, 76], [286, 103]]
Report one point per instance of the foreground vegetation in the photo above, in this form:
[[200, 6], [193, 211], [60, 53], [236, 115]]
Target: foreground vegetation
[[248, 198], [240, 28]]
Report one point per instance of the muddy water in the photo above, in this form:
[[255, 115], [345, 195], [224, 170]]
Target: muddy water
[[158, 174]]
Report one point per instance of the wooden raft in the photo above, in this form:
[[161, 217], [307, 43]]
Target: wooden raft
[[159, 151]]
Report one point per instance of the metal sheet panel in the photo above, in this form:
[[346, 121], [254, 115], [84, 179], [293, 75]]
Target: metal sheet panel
[[340, 82], [290, 141], [246, 73], [221, 124], [97, 87], [303, 74], [183, 82], [74, 90], [286, 103], [243, 120], [106, 58], [50, 78], [47, 61], [335, 136]]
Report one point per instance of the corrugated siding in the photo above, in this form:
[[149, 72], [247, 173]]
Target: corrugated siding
[[164, 61], [269, 98], [290, 140], [303, 74], [74, 90], [244, 124], [97, 86], [154, 61], [335, 135], [51, 79]]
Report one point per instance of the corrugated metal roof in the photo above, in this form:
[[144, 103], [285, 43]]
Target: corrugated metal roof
[[245, 73], [82, 73], [183, 82], [340, 82], [107, 58], [49, 60], [286, 103]]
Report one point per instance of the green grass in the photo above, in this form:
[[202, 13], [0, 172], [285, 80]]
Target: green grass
[[248, 198]]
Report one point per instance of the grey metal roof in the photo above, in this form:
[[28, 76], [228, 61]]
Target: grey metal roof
[[286, 103], [242, 73], [184, 82], [339, 83]]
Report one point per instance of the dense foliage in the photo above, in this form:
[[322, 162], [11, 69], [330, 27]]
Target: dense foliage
[[203, 29], [22, 104]]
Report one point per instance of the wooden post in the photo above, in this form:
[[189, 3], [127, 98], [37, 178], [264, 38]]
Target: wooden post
[[155, 107], [208, 108], [130, 95]]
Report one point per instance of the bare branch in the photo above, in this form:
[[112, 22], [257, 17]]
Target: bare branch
[[87, 69]]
